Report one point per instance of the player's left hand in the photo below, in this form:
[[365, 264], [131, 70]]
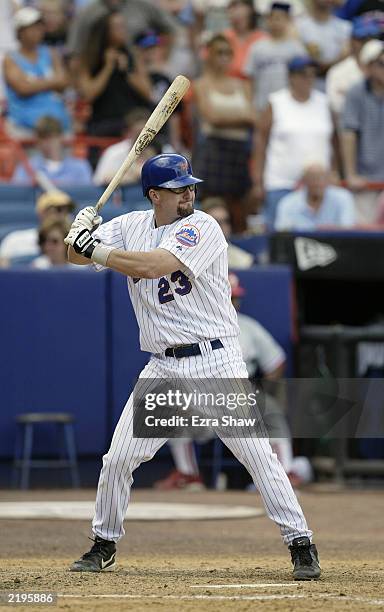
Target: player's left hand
[[80, 238], [88, 218]]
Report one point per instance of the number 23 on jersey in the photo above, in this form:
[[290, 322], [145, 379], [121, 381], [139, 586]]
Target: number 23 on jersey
[[183, 286]]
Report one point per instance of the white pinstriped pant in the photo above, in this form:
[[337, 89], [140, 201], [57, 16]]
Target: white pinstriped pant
[[127, 453]]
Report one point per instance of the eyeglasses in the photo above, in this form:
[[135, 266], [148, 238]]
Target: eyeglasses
[[60, 209], [179, 190], [51, 240]]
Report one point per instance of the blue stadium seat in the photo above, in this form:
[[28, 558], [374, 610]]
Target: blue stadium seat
[[17, 193], [22, 260], [85, 195], [133, 199], [14, 212]]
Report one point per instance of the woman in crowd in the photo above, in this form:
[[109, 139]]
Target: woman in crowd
[[51, 241], [34, 76], [109, 77], [295, 128], [226, 118], [242, 33]]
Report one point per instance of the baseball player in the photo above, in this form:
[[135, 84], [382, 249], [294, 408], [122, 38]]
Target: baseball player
[[175, 260]]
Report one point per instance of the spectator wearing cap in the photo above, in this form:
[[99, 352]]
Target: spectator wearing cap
[[35, 77], [363, 130], [346, 73], [242, 33], [266, 63], [114, 155], [24, 243], [325, 36], [316, 205], [51, 159], [296, 126]]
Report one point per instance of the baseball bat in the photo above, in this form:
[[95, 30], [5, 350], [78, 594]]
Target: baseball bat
[[160, 115]]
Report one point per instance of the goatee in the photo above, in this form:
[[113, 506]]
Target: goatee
[[184, 211]]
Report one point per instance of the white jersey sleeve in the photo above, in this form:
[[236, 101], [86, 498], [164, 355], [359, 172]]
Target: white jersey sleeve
[[196, 241], [111, 234]]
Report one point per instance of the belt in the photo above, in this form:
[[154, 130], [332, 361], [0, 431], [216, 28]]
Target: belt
[[190, 350]]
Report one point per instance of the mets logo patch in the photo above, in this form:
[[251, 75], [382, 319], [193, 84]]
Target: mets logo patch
[[188, 236]]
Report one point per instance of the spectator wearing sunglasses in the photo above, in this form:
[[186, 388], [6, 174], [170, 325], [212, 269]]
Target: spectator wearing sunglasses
[[51, 234]]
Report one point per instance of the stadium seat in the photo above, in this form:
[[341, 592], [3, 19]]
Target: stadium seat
[[22, 194], [83, 195], [133, 199], [14, 212]]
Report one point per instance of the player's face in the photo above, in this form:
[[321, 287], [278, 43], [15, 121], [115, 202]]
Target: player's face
[[178, 202]]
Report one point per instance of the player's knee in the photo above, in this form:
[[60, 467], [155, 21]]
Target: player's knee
[[115, 461]]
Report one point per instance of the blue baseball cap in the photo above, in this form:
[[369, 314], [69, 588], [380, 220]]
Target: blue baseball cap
[[365, 28], [147, 39], [299, 62]]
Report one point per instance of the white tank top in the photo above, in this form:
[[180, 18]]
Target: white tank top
[[301, 133], [233, 103]]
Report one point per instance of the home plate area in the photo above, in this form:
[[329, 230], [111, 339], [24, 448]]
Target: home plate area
[[170, 562], [137, 511]]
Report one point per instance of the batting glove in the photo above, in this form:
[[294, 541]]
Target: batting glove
[[88, 218], [83, 243]]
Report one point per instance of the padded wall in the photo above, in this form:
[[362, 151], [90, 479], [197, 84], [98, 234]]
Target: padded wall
[[53, 351]]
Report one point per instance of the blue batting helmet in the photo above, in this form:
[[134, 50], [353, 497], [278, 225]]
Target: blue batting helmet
[[167, 170]]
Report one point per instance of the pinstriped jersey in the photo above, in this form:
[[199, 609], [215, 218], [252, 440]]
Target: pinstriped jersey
[[193, 303]]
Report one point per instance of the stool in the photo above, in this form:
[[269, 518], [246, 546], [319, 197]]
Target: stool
[[23, 460]]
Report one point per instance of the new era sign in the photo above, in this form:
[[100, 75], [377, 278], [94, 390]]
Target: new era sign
[[311, 253]]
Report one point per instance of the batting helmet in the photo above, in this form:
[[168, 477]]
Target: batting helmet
[[167, 170]]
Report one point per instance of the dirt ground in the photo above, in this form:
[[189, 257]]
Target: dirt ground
[[180, 565]]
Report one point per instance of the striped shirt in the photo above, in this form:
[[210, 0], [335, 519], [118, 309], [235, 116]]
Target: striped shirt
[[364, 114], [190, 305]]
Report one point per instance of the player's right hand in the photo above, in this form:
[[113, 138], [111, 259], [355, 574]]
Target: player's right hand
[[87, 218]]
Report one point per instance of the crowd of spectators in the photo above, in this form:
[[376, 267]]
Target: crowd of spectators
[[276, 87]]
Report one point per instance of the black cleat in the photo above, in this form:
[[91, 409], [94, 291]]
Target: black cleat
[[101, 558], [305, 559]]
